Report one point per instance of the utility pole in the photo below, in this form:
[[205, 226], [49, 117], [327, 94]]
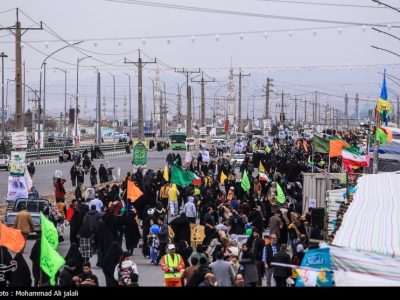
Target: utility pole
[[3, 123], [240, 75], [397, 115], [140, 64], [346, 108], [357, 100], [305, 111], [19, 123], [282, 106], [326, 115], [319, 113], [189, 122], [295, 110], [315, 109], [179, 108], [98, 110], [203, 100], [267, 92]]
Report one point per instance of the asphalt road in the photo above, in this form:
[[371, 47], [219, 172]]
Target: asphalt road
[[149, 274], [43, 177]]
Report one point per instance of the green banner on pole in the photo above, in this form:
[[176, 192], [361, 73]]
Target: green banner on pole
[[139, 154]]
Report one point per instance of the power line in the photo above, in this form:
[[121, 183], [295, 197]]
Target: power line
[[322, 4], [237, 13]]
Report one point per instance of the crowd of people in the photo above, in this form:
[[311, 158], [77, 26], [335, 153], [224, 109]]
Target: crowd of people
[[245, 230]]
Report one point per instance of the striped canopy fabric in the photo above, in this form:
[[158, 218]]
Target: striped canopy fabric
[[383, 270], [372, 221]]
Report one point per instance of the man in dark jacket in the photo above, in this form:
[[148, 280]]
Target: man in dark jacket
[[163, 238], [92, 219], [67, 273], [269, 251], [236, 223], [256, 246], [281, 273]]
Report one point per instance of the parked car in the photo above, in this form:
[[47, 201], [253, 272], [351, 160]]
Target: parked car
[[4, 161], [34, 206]]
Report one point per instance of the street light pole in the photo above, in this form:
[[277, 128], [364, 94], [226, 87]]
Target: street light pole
[[113, 108], [77, 98], [65, 104], [44, 79], [130, 106]]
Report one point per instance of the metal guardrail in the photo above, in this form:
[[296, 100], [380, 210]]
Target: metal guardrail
[[53, 151]]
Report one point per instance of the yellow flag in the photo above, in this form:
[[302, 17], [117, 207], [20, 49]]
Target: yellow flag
[[261, 168], [223, 178], [166, 173]]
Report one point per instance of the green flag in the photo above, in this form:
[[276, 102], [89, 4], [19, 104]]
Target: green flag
[[320, 145], [381, 136], [49, 231], [50, 260], [245, 184], [281, 196], [181, 177]]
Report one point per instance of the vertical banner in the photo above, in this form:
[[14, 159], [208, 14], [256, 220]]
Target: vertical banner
[[17, 163], [17, 188], [139, 154]]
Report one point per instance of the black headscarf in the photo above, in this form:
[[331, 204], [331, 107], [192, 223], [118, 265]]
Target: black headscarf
[[132, 233], [22, 275], [112, 259], [73, 253], [104, 239]]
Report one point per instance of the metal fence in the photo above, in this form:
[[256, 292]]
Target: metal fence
[[54, 151]]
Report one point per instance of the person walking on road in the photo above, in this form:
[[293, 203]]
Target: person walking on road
[[223, 271], [23, 221], [93, 175], [73, 173], [162, 237], [59, 190], [172, 264], [173, 194], [103, 174], [125, 270]]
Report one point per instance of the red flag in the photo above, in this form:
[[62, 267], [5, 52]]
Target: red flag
[[133, 192], [11, 238]]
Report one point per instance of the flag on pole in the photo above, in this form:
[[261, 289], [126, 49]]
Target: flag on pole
[[281, 195], [336, 145], [11, 238], [261, 168], [181, 177], [245, 184], [383, 135], [383, 106], [166, 173], [263, 177], [353, 157], [133, 192], [49, 231], [222, 178], [50, 260], [320, 145]]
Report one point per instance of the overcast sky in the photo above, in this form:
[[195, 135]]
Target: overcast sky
[[301, 56]]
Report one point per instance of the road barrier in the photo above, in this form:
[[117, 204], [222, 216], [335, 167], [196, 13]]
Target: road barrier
[[54, 151]]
